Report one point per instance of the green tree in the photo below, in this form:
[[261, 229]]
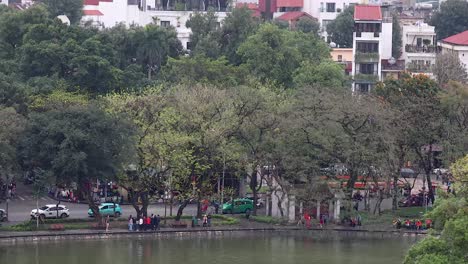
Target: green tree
[[201, 69], [12, 125], [340, 30], [451, 18], [157, 44], [326, 74], [205, 33], [78, 145], [73, 9], [273, 54], [396, 37], [448, 67], [236, 28], [308, 25]]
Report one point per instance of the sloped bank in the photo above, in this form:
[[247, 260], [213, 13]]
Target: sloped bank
[[319, 234]]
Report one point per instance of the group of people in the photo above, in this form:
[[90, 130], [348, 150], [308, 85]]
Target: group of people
[[414, 224], [206, 221], [144, 223]]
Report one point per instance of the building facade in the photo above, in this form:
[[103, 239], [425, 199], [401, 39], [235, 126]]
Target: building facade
[[456, 44], [372, 43], [419, 48], [108, 13]]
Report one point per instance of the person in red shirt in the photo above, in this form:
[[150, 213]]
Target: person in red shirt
[[307, 218], [147, 223], [428, 223], [418, 225]]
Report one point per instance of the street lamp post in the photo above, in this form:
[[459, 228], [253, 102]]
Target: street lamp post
[[7, 201]]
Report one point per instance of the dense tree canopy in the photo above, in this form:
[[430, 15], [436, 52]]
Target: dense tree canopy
[[341, 29], [451, 18]]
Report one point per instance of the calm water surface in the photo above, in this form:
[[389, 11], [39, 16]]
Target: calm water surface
[[274, 248]]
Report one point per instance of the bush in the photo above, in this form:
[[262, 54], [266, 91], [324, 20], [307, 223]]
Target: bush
[[268, 220]]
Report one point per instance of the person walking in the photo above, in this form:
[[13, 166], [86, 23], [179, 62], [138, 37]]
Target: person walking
[[205, 220], [153, 222], [140, 223], [208, 219], [134, 222], [158, 222], [130, 223], [107, 223]]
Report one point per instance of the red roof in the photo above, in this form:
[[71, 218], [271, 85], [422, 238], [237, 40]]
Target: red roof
[[251, 6], [458, 39], [295, 15], [92, 13], [95, 2], [91, 2], [367, 12], [290, 3], [262, 6]]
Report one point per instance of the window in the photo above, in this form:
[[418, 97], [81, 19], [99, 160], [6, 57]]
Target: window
[[104, 207], [363, 87], [325, 24], [238, 203], [321, 7], [331, 7], [189, 45], [366, 68], [340, 58], [165, 23], [368, 47]]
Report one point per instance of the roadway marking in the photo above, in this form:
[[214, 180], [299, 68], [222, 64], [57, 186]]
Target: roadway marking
[[22, 199], [42, 198]]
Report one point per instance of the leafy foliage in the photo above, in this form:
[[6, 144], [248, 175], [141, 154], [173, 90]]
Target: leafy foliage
[[341, 29], [451, 18]]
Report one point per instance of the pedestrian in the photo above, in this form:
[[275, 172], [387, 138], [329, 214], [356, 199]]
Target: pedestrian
[[135, 224], [147, 223], [107, 223], [153, 222], [428, 223], [209, 220], [158, 222], [322, 221], [418, 224], [130, 223], [140, 223], [307, 218], [205, 221]]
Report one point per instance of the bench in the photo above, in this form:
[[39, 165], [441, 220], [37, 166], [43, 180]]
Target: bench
[[57, 227], [179, 224]]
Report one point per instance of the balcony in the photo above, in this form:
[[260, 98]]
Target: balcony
[[367, 35], [415, 67], [365, 78], [362, 57], [420, 49]]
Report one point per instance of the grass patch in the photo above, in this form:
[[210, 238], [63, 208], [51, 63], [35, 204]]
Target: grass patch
[[268, 220], [387, 217]]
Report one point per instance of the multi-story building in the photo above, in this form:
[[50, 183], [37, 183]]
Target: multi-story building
[[327, 10], [372, 43], [108, 13], [419, 47], [457, 44]]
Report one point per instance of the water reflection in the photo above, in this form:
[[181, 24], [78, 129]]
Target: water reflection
[[225, 249]]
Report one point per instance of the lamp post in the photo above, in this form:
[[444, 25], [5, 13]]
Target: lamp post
[[7, 201]]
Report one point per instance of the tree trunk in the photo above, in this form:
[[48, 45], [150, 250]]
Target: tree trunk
[[253, 187], [92, 205], [181, 209], [395, 192]]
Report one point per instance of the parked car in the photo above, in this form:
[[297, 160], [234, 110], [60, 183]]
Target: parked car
[[240, 206], [260, 202], [106, 209], [50, 211], [3, 215], [408, 173]]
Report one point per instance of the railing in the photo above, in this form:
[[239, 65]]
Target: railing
[[367, 34], [366, 57], [362, 77], [414, 67], [420, 49]]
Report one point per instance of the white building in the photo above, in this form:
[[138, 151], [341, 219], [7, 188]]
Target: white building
[[108, 13], [457, 44], [372, 43], [419, 47], [5, 2]]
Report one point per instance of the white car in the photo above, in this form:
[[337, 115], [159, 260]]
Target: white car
[[51, 211]]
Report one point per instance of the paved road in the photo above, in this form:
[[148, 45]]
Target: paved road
[[21, 206]]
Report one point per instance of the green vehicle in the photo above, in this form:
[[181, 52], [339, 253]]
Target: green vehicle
[[240, 206], [107, 209]]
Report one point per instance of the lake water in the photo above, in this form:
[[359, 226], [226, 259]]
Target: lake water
[[245, 248]]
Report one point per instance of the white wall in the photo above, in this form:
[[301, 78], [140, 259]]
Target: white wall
[[386, 41], [5, 2]]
